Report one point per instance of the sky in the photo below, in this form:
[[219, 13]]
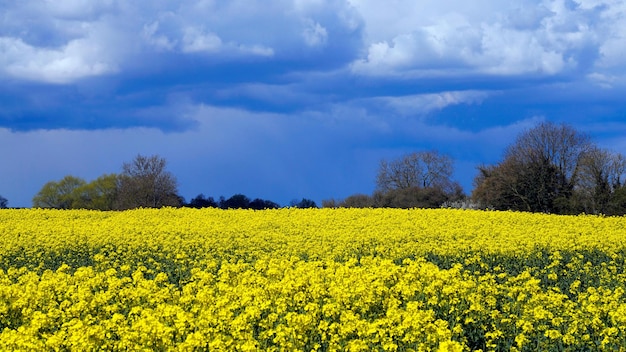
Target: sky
[[285, 100]]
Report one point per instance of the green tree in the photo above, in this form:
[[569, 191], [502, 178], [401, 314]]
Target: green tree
[[61, 195], [99, 194]]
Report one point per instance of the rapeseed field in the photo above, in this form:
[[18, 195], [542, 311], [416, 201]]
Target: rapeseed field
[[311, 280]]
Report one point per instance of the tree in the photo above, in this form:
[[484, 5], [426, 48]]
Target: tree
[[60, 195], [3, 202], [490, 187], [237, 201], [260, 204], [540, 172], [358, 201], [423, 169], [304, 203], [416, 197], [551, 145], [601, 175], [200, 201], [617, 204], [420, 179], [330, 203], [145, 182], [99, 194]]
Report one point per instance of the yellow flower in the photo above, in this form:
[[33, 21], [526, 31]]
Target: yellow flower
[[450, 346]]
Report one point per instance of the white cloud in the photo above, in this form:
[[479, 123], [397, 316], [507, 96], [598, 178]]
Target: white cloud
[[308, 5], [488, 37], [196, 40], [60, 42], [402, 38], [256, 49], [314, 34], [159, 41], [602, 80], [528, 18], [66, 40], [613, 52], [77, 59], [421, 104], [510, 52], [386, 20], [613, 49]]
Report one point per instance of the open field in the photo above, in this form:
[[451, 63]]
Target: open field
[[311, 279]]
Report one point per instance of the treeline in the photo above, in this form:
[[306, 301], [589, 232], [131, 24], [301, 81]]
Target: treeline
[[417, 180], [240, 201], [144, 183], [554, 169], [549, 168]]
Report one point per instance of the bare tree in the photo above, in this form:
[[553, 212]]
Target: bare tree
[[423, 169], [330, 203], [421, 179], [3, 202], [144, 182]]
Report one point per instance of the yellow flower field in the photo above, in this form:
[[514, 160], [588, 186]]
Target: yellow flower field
[[311, 280]]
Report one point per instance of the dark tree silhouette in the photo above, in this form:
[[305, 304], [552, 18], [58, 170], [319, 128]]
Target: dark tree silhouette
[[416, 197], [601, 176], [260, 204], [554, 169], [304, 203], [237, 201], [200, 201]]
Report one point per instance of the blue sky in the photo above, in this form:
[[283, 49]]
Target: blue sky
[[289, 99]]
